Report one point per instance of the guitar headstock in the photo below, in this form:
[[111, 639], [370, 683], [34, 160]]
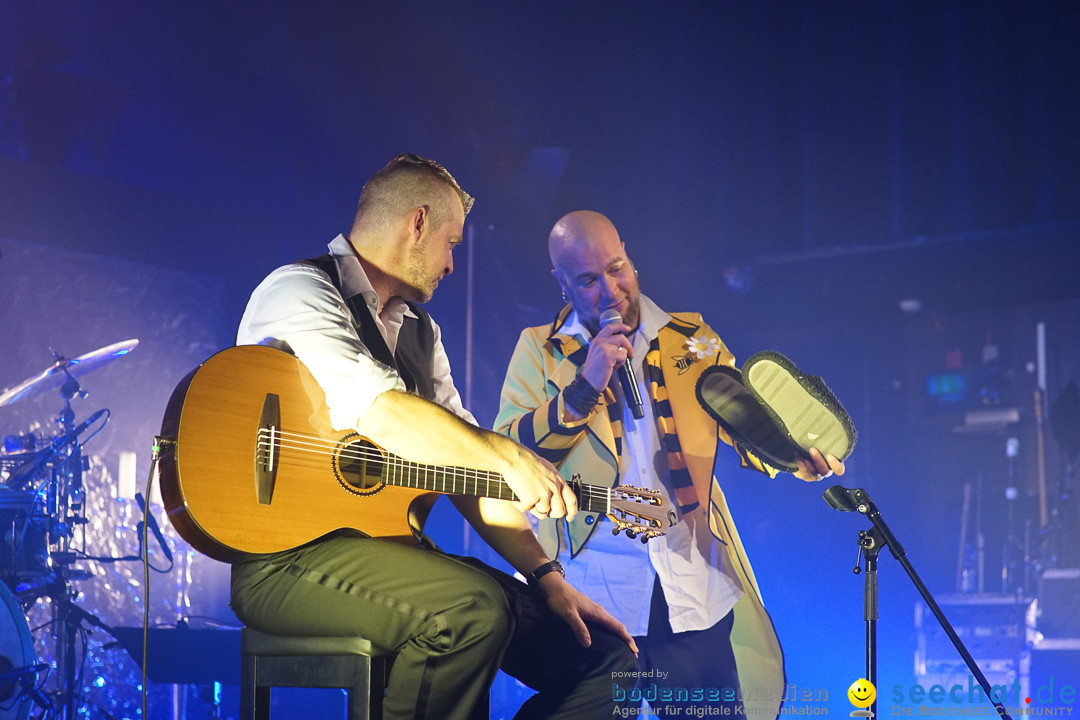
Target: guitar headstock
[[639, 512]]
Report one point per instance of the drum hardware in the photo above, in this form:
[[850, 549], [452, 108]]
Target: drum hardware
[[63, 372], [18, 460], [15, 444], [41, 505], [26, 678], [19, 453], [57, 453], [16, 655]]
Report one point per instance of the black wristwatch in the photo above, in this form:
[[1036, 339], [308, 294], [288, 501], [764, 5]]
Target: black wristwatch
[[552, 566]]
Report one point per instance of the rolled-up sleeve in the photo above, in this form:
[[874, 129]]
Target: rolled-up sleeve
[[296, 308]]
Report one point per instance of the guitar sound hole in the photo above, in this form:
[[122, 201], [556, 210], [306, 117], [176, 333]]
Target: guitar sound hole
[[359, 465]]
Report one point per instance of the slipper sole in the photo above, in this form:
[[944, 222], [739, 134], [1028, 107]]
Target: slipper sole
[[722, 394], [801, 405]]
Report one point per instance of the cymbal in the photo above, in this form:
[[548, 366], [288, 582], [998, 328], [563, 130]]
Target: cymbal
[[58, 373]]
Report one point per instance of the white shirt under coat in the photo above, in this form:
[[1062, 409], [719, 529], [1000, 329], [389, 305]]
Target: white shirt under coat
[[618, 572]]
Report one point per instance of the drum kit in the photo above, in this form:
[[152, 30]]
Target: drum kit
[[42, 503]]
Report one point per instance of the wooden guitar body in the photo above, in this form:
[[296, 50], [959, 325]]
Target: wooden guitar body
[[249, 463]]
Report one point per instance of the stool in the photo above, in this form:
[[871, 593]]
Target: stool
[[352, 663]]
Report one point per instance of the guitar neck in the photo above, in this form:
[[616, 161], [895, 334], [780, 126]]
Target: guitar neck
[[254, 413], [476, 483], [445, 479]]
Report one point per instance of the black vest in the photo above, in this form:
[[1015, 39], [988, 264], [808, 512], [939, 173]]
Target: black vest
[[414, 359]]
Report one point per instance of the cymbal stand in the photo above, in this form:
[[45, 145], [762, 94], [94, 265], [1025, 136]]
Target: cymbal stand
[[63, 465], [64, 500], [65, 486]]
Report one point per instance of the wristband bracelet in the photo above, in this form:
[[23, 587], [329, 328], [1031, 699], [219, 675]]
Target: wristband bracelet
[[548, 567], [581, 396]]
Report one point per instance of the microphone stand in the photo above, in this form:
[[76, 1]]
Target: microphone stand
[[870, 543]]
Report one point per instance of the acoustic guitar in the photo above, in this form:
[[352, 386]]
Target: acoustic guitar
[[249, 463]]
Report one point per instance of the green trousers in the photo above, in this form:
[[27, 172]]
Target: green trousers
[[454, 622]]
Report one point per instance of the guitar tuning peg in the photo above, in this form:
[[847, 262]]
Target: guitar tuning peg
[[645, 538]]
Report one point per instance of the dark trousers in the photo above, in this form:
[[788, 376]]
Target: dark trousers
[[454, 622], [696, 660]]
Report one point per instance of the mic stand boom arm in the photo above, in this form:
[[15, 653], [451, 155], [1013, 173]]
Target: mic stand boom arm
[[871, 541]]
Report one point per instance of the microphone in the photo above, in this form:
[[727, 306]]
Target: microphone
[[626, 372], [82, 427], [154, 528], [27, 473]]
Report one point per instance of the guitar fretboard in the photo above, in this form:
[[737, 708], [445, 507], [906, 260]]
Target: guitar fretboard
[[476, 483]]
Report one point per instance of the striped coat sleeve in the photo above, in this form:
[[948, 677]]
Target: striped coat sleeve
[[531, 409]]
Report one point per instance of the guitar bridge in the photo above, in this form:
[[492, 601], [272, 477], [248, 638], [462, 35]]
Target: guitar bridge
[[268, 448]]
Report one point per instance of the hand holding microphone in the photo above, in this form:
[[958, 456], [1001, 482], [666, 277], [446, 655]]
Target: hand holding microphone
[[627, 376]]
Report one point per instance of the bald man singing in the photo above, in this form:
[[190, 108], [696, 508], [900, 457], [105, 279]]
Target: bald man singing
[[690, 598]]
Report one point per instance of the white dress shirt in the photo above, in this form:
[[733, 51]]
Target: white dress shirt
[[618, 572], [297, 308]]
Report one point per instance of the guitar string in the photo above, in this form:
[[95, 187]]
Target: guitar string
[[314, 445], [410, 474], [318, 446], [308, 443]]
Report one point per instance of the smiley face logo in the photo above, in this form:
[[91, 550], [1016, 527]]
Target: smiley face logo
[[862, 693]]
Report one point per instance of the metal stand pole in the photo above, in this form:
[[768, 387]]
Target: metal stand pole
[[871, 541]]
